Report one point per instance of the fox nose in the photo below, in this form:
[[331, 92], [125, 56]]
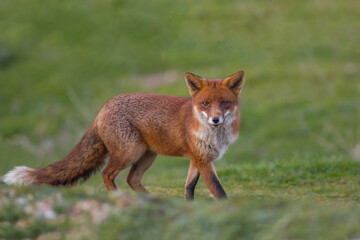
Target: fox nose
[[216, 120]]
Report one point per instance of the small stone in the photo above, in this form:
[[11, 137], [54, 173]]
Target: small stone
[[49, 214]]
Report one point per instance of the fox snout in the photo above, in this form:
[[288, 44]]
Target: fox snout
[[216, 121]]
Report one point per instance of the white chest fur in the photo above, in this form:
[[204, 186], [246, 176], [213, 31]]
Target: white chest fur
[[214, 141]]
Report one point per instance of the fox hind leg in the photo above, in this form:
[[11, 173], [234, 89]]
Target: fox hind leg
[[138, 169], [110, 172], [119, 162]]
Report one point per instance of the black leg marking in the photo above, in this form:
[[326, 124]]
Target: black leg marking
[[190, 188], [219, 189]]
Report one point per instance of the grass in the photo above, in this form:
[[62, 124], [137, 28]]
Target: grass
[[295, 164]]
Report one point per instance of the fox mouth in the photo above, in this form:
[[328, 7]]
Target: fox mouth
[[214, 125]]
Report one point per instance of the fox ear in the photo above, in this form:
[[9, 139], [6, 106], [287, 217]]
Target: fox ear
[[195, 83], [235, 82]]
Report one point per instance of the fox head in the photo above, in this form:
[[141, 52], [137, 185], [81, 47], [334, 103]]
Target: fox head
[[215, 100]]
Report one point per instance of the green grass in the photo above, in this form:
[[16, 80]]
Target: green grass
[[295, 163]]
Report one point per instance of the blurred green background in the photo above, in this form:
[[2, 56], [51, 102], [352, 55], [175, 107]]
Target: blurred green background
[[300, 138]]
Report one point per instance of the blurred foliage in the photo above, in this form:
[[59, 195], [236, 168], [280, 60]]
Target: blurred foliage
[[127, 216], [300, 138]]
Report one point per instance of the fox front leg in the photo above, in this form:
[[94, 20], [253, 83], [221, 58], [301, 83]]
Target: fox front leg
[[211, 180], [191, 181]]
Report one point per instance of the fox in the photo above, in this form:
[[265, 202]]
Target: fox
[[133, 128]]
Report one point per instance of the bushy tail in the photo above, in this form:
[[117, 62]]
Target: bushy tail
[[87, 157]]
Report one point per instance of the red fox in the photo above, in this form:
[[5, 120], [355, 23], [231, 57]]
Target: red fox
[[133, 128]]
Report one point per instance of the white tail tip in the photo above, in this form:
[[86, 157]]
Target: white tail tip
[[18, 176]]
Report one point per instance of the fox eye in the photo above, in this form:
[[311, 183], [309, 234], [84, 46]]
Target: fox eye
[[206, 104], [224, 103]]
